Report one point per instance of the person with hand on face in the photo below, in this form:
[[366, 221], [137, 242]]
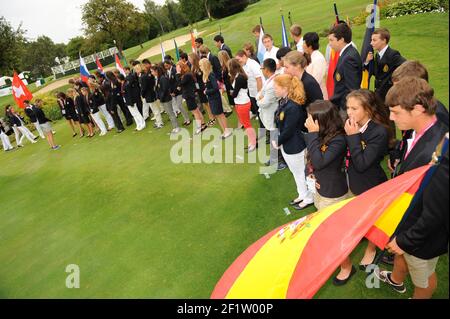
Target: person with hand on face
[[368, 137]]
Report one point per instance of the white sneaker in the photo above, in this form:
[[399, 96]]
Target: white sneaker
[[153, 118], [102, 134]]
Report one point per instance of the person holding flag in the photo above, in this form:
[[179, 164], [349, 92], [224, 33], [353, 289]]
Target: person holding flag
[[296, 33], [348, 72], [387, 60]]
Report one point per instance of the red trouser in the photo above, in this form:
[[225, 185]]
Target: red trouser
[[243, 112]]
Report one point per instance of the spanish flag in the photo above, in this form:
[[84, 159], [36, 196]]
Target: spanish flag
[[295, 260]]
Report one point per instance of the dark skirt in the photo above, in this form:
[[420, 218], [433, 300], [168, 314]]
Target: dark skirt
[[202, 97], [191, 104], [215, 103]]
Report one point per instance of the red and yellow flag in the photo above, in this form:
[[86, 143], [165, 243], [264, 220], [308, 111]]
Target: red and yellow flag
[[295, 260]]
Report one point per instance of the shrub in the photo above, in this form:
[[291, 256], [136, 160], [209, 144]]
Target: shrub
[[409, 7]]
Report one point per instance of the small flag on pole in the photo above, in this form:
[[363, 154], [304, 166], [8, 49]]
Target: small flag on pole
[[99, 66], [20, 91], [177, 52], [119, 65], [261, 49], [193, 43], [284, 36], [163, 54], [84, 72]]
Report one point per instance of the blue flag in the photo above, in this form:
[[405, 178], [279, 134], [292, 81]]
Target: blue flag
[[284, 36]]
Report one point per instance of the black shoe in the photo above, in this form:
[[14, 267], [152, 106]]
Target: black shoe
[[120, 131], [298, 207], [339, 282], [388, 259], [228, 114], [281, 166], [293, 202], [267, 163]]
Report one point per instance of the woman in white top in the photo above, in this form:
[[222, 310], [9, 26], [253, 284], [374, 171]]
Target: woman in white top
[[242, 101], [318, 66]]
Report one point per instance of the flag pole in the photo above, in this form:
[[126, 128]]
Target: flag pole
[[336, 13]]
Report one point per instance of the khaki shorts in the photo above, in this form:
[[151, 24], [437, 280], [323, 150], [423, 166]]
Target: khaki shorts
[[420, 269], [321, 202], [46, 127]]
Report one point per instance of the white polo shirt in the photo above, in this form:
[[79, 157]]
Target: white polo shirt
[[272, 54], [253, 71]]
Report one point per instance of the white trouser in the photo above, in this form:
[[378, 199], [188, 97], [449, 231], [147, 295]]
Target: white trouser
[[140, 123], [38, 128], [177, 105], [17, 135], [296, 164], [5, 141], [107, 116], [145, 109], [26, 133], [156, 113], [99, 122]]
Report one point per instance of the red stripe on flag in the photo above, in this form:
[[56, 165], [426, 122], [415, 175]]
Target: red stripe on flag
[[376, 235], [350, 223], [334, 57], [233, 272]]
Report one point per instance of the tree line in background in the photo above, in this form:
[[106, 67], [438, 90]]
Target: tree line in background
[[107, 23]]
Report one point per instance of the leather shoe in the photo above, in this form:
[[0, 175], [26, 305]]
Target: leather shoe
[[339, 282]]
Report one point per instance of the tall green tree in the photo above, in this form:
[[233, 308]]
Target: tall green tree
[[11, 47], [193, 9], [116, 19], [39, 56]]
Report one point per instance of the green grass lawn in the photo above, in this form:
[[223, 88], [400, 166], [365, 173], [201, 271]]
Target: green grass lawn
[[140, 226]]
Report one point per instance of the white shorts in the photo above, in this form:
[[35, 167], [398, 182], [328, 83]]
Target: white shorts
[[420, 269]]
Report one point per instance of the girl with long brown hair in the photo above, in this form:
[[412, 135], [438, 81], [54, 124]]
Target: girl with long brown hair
[[185, 80], [200, 86]]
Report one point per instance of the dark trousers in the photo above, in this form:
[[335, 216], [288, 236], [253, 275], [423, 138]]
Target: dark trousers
[[139, 105], [125, 111], [116, 119], [254, 107]]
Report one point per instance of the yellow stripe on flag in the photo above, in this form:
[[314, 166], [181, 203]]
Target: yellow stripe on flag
[[269, 272], [390, 219], [365, 80]]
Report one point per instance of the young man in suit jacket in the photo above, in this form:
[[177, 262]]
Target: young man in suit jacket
[[348, 73], [413, 106], [217, 69], [219, 42], [386, 61]]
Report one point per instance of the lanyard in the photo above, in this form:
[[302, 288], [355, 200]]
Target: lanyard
[[417, 137]]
